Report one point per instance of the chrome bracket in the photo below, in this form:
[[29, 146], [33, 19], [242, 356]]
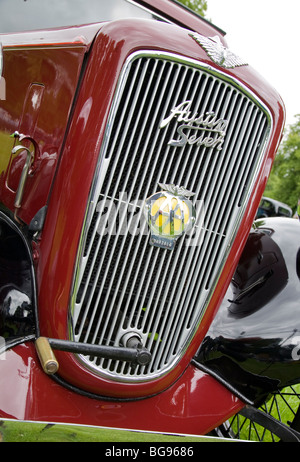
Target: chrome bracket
[[28, 162]]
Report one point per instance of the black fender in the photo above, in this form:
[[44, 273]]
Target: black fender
[[253, 344]]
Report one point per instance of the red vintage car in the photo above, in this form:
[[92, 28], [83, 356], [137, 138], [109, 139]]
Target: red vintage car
[[134, 292]]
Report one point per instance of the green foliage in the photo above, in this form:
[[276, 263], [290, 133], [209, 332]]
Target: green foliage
[[284, 181], [199, 6]]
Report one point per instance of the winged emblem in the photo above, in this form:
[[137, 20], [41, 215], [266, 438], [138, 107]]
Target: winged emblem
[[218, 52]]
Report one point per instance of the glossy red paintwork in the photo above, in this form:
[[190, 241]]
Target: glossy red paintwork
[[193, 405], [187, 400], [37, 105]]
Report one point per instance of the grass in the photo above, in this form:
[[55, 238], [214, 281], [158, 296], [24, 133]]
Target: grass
[[16, 431]]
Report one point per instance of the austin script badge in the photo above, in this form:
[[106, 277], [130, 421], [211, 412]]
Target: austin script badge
[[201, 129]]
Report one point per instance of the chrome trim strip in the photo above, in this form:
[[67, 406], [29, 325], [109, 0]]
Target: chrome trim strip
[[132, 282], [148, 10]]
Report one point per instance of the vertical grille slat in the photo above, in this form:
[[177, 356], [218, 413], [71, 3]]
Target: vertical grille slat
[[123, 284]]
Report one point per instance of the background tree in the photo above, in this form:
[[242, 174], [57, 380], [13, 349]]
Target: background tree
[[284, 181], [199, 6]]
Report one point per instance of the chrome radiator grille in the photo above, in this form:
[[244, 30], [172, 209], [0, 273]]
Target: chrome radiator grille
[[124, 285]]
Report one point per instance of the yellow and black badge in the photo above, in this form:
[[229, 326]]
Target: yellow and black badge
[[169, 214]]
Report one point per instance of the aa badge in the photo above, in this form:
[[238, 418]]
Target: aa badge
[[169, 214]]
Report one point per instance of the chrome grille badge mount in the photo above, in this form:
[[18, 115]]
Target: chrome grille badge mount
[[169, 214]]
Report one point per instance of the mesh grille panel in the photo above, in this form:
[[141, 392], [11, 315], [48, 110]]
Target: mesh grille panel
[[124, 284]]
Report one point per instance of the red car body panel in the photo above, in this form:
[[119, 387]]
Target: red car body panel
[[192, 405], [69, 77]]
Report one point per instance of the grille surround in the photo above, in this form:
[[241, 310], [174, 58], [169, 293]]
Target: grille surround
[[105, 272]]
